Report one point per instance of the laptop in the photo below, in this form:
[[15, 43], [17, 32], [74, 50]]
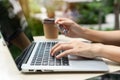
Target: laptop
[[31, 56]]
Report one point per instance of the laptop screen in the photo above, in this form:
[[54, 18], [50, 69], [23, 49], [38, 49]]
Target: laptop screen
[[14, 27]]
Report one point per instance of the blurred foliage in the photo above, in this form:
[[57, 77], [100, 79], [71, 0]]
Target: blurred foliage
[[109, 29], [108, 6], [0, 36], [36, 27], [34, 7], [91, 12]]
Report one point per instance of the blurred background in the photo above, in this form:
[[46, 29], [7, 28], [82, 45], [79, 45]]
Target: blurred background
[[94, 14]]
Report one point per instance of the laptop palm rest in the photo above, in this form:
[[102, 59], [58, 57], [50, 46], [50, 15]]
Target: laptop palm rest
[[87, 64]]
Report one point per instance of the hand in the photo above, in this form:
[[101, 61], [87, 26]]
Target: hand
[[73, 28], [76, 48]]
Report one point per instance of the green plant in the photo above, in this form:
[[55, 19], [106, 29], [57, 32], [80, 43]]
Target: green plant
[[90, 12], [0, 36], [108, 6], [36, 27], [108, 29], [34, 7]]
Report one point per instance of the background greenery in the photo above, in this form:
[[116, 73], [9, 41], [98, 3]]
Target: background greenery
[[36, 27], [91, 11]]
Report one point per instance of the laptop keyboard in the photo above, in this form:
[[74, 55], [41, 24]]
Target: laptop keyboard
[[42, 56]]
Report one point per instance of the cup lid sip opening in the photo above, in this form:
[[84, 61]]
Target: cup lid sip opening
[[49, 20]]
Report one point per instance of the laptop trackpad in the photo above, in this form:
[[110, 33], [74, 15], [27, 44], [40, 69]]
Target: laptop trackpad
[[87, 63]]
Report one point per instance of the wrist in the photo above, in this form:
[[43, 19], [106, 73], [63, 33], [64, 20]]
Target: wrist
[[96, 49], [79, 30], [83, 32]]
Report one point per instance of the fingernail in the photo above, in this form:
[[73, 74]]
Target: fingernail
[[57, 57], [51, 54]]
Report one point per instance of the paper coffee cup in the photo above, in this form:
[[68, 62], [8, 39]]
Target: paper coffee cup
[[50, 31]]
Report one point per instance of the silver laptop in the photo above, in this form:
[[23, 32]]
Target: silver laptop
[[36, 56]]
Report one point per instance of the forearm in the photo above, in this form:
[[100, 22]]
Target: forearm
[[106, 37], [110, 52]]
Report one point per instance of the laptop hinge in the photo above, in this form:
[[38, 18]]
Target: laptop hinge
[[23, 58]]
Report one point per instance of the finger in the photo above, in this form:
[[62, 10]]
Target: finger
[[65, 53], [59, 19], [61, 47], [63, 21], [55, 46]]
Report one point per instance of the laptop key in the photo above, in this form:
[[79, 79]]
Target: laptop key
[[58, 62], [65, 61]]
